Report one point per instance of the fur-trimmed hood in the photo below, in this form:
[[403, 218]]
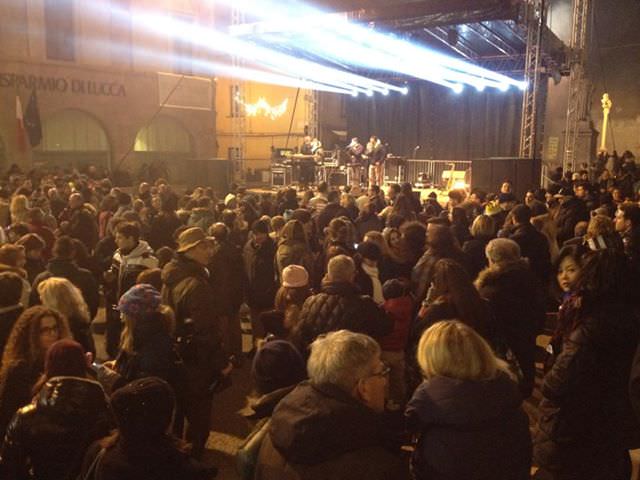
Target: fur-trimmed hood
[[494, 273]]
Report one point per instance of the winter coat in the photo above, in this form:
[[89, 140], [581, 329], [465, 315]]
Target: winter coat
[[15, 388], [34, 267], [187, 291], [162, 229], [227, 277], [571, 212], [127, 266], [80, 277], [518, 304], [422, 274], [83, 224], [46, 234], [320, 432], [472, 430], [8, 317], [259, 261], [366, 223], [156, 461], [400, 310], [475, 250], [201, 217], [81, 332], [293, 253], [586, 421], [339, 306], [51, 434], [534, 246]]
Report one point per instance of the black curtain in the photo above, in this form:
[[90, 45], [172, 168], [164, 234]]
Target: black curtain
[[447, 126]]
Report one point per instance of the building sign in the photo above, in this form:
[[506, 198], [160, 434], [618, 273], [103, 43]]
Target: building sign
[[62, 85]]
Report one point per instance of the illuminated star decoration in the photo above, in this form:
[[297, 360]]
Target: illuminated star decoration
[[262, 107]]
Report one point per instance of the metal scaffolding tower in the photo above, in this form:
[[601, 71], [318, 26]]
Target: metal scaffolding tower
[[534, 97], [579, 84], [237, 152], [311, 113]]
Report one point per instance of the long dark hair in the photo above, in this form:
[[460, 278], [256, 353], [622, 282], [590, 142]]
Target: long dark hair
[[452, 284], [605, 278]]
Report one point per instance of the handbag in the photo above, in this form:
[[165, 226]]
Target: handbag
[[247, 454]]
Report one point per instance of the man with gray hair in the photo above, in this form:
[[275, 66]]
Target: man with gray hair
[[339, 305], [518, 303], [331, 425]]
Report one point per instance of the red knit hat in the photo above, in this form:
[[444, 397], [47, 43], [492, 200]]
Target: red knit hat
[[65, 358]]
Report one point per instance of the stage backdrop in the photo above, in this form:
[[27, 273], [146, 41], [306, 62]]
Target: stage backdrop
[[446, 126]]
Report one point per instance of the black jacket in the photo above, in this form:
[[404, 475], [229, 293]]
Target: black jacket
[[518, 304], [339, 306], [571, 212], [259, 262], [186, 289], [473, 430], [157, 461], [15, 389], [51, 434], [475, 249], [227, 277], [80, 277], [585, 413], [535, 247], [319, 431]]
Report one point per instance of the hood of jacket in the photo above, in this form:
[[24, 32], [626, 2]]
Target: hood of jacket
[[71, 396], [62, 267], [314, 424], [497, 273], [180, 268], [141, 250], [463, 403]]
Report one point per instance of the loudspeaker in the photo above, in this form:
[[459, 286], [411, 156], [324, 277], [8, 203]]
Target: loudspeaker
[[281, 176], [337, 179], [488, 174]]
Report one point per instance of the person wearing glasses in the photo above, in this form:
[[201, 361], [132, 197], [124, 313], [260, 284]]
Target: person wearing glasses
[[331, 425], [467, 408], [23, 359]]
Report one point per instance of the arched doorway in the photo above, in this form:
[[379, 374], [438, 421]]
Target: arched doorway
[[163, 149], [73, 138]]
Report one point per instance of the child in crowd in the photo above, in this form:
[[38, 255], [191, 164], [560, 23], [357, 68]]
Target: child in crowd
[[398, 303]]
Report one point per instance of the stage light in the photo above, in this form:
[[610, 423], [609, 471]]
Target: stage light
[[523, 85], [503, 87], [369, 93], [405, 91], [385, 92], [458, 88], [480, 87]]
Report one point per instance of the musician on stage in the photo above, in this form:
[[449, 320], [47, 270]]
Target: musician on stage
[[355, 150], [306, 166], [375, 153]]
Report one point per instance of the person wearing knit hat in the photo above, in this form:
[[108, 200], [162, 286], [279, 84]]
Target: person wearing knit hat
[[140, 300], [277, 364], [295, 276]]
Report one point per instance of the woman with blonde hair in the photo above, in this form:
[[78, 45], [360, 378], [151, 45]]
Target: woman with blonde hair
[[467, 407], [19, 209], [23, 358], [60, 294]]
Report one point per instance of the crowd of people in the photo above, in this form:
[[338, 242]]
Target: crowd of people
[[392, 338]]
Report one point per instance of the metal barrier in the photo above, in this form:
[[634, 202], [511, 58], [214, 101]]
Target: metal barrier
[[434, 170]]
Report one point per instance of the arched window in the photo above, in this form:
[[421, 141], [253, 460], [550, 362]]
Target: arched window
[[73, 138], [165, 135]]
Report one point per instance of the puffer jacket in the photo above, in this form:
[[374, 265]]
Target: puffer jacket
[[339, 306], [51, 434], [586, 419], [320, 432], [186, 289], [481, 422], [518, 304], [127, 266]]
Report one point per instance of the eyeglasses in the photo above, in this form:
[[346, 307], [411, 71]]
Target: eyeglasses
[[382, 373], [49, 330]]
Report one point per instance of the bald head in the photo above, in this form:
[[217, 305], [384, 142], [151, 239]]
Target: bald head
[[76, 200]]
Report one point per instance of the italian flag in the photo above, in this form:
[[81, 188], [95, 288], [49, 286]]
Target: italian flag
[[21, 135]]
